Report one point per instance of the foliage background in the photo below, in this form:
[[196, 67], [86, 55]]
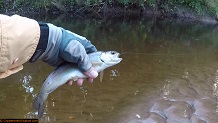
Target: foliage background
[[200, 6]]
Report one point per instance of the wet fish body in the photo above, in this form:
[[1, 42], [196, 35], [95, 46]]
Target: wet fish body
[[100, 60]]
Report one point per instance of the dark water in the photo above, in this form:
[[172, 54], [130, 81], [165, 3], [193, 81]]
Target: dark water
[[169, 74]]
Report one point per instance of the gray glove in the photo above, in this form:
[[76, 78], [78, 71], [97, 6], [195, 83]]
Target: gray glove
[[64, 45]]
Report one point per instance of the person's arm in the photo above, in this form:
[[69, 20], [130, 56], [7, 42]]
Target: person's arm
[[19, 39], [64, 45]]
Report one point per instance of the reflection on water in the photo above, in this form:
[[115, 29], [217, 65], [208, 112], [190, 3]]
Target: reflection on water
[[168, 74], [166, 89], [216, 84], [215, 89]]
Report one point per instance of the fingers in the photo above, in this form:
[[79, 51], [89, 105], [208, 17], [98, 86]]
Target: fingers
[[80, 82], [90, 80], [70, 82], [92, 73]]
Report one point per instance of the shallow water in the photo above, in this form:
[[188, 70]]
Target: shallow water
[[169, 74]]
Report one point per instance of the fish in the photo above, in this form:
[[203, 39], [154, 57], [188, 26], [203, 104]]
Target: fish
[[100, 60]]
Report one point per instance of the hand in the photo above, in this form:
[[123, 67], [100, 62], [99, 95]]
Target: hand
[[76, 51], [72, 48], [91, 73]]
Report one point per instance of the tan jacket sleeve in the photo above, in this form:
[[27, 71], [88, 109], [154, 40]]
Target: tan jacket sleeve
[[19, 37]]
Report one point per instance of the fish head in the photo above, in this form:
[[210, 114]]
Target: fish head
[[110, 58]]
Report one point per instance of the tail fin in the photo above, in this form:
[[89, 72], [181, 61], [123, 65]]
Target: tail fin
[[36, 103], [38, 106], [41, 110]]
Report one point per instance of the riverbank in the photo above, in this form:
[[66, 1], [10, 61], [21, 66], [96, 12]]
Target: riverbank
[[103, 9]]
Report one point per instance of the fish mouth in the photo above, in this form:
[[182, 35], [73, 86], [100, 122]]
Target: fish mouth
[[115, 59], [110, 58]]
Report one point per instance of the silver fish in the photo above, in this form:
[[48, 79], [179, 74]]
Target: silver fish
[[100, 60]]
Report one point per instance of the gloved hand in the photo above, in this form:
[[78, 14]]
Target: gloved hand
[[65, 46]]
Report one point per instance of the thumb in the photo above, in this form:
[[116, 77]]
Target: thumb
[[92, 73]]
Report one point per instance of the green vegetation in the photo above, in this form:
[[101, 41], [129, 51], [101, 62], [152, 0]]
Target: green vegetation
[[1, 5], [200, 6]]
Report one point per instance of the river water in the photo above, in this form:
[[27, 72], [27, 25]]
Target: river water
[[169, 74]]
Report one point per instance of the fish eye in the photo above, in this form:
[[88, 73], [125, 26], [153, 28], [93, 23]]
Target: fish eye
[[113, 52]]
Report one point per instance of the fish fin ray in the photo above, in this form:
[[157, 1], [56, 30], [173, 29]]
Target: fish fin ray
[[101, 75], [41, 110], [36, 103], [39, 107]]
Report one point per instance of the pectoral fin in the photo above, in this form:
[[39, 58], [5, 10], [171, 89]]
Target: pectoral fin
[[101, 75]]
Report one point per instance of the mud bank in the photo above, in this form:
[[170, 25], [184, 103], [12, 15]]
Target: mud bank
[[101, 11]]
